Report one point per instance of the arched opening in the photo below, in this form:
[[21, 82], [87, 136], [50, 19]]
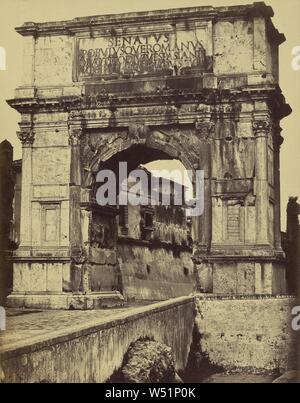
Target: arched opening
[[155, 161], [152, 240]]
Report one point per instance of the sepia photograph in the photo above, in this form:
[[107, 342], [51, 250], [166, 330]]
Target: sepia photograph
[[149, 194]]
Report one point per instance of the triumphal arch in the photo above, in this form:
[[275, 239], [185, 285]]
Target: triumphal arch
[[199, 85]]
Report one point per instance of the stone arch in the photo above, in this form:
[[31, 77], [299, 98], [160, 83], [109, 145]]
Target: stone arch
[[138, 144], [172, 143]]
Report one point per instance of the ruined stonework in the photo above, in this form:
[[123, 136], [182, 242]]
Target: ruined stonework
[[199, 85], [291, 245], [246, 333], [7, 241]]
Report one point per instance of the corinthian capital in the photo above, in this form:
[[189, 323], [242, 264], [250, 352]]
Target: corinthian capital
[[75, 133], [26, 137], [262, 126], [204, 128]]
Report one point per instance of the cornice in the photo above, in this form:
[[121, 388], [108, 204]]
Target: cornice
[[158, 16], [29, 105], [171, 99]]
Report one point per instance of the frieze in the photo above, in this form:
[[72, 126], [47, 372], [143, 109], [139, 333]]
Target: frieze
[[221, 110], [203, 108], [76, 114], [188, 108], [98, 114], [124, 112], [147, 111], [174, 100], [97, 99], [121, 114], [138, 132]]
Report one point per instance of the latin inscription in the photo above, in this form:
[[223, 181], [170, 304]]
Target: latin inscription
[[141, 55]]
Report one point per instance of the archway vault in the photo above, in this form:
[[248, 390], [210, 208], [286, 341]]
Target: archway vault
[[101, 149], [145, 263]]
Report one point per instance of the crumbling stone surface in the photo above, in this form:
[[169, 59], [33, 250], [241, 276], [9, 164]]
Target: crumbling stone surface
[[148, 361], [291, 245], [199, 366], [6, 216], [247, 334], [154, 274]]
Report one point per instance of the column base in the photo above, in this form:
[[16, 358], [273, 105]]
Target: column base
[[66, 301]]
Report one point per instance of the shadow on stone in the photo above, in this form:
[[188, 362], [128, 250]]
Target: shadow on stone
[[147, 361], [198, 366]]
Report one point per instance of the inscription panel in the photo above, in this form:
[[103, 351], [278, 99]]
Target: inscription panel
[[50, 223], [144, 53]]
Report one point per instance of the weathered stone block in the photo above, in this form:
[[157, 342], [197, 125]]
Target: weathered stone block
[[38, 277], [224, 278], [103, 278], [111, 257], [51, 167], [66, 277], [53, 60], [76, 277], [233, 46], [247, 334], [50, 137], [204, 277], [245, 278], [54, 277], [21, 277], [97, 255], [155, 274]]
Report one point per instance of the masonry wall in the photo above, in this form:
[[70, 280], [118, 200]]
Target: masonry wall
[[241, 46], [91, 354], [250, 334], [154, 273], [6, 217], [155, 266]]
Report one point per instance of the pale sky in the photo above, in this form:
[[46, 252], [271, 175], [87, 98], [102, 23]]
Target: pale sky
[[287, 20]]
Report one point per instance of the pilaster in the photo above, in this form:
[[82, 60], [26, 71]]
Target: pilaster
[[26, 136], [262, 128]]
